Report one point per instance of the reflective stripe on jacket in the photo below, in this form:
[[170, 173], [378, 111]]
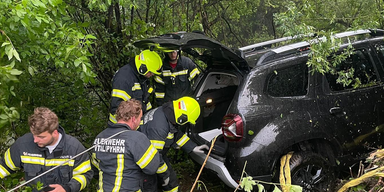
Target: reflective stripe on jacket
[[128, 83], [24, 153], [123, 159], [177, 82]]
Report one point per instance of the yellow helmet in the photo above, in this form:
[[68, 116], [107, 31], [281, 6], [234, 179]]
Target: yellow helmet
[[148, 61], [186, 109]]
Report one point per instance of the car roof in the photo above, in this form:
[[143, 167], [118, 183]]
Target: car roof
[[260, 52], [188, 41]]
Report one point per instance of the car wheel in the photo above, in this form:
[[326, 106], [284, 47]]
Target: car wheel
[[312, 172]]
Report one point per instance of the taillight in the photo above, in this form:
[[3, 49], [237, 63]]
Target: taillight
[[232, 127]]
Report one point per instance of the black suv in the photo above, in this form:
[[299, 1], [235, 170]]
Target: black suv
[[264, 102]]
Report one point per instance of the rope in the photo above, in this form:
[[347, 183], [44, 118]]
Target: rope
[[53, 168], [285, 172]]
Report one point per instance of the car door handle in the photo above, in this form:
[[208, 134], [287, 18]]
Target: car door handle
[[336, 111]]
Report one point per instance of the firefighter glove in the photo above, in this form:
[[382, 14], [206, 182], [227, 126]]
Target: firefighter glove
[[200, 148]]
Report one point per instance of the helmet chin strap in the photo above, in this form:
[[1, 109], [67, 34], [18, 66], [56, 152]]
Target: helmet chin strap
[[178, 55]]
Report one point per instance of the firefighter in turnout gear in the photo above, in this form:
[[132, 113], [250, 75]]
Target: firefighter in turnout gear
[[176, 78], [132, 81], [161, 127], [123, 154], [48, 146]]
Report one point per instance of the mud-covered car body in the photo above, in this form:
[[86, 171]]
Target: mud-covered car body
[[265, 102]]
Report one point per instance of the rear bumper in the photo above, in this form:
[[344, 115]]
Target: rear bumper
[[217, 166]]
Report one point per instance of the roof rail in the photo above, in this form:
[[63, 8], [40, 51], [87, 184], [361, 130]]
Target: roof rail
[[304, 43], [372, 32], [351, 33], [267, 44]]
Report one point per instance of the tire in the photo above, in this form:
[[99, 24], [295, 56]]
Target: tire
[[312, 172]]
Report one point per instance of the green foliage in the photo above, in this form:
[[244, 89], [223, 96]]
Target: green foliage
[[44, 61], [325, 57], [38, 38], [181, 162], [322, 56], [200, 186], [276, 189], [10, 182], [290, 22], [247, 184]]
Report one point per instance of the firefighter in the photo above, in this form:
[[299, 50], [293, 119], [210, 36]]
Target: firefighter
[[123, 154], [176, 78], [44, 148], [161, 127], [131, 81]]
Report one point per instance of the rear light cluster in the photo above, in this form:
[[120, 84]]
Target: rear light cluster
[[232, 127]]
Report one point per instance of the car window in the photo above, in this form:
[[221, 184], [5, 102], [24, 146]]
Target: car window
[[290, 81], [380, 52], [360, 66], [215, 81]]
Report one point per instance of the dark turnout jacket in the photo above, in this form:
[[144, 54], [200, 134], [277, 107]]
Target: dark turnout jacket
[[162, 133], [73, 175], [124, 158], [175, 83], [128, 83]]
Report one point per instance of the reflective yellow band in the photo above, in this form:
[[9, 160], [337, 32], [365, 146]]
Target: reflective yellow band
[[112, 118], [95, 161], [170, 136], [147, 157], [120, 94], [149, 106], [32, 160], [193, 73], [82, 168], [3, 172], [119, 172], [55, 162], [158, 144], [136, 86], [182, 140], [168, 73], [173, 190], [8, 160], [159, 80], [150, 90], [47, 162], [159, 95], [162, 168], [82, 180], [100, 182]]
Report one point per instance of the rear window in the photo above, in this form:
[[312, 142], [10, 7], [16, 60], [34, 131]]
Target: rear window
[[288, 82]]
